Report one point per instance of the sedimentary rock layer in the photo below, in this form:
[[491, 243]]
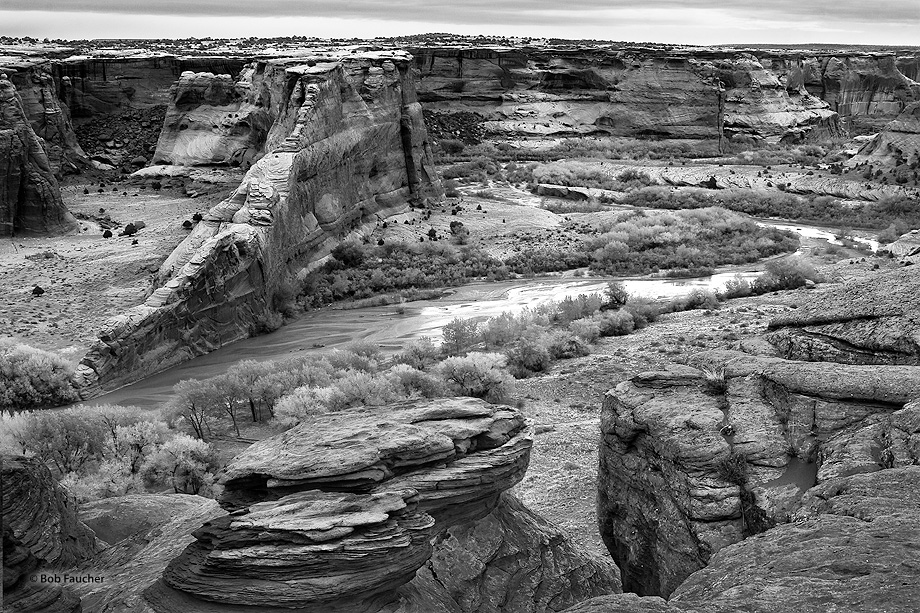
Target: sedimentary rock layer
[[870, 321], [348, 144], [41, 536], [632, 92], [459, 454], [898, 143], [694, 459], [30, 198]]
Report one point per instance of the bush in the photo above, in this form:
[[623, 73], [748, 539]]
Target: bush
[[481, 375], [527, 356], [460, 335], [307, 401], [736, 287], [788, 273], [413, 383], [564, 345], [187, 464], [644, 311], [616, 323], [419, 354], [588, 329], [733, 468], [31, 378]]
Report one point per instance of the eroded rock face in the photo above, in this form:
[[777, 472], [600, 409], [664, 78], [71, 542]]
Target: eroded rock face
[[349, 144], [213, 119], [513, 560], [870, 321], [41, 535], [694, 459], [30, 198], [632, 92], [898, 143]]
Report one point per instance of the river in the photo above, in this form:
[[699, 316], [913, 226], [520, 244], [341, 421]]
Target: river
[[322, 329]]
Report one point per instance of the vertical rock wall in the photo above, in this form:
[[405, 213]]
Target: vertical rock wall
[[30, 198], [347, 144]]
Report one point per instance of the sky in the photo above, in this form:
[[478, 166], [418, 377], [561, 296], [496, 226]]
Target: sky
[[700, 22]]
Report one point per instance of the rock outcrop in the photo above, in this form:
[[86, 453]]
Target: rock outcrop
[[47, 113], [388, 510], [633, 92], [30, 197], [694, 459], [870, 321], [348, 145], [213, 119], [896, 145], [907, 246], [851, 548], [42, 537]]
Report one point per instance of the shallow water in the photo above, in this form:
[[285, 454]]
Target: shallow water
[[320, 330]]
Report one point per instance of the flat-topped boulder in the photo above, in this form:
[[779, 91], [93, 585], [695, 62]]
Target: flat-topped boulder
[[868, 321], [459, 453], [307, 549]]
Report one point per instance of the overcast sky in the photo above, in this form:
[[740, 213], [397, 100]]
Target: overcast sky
[[891, 22]]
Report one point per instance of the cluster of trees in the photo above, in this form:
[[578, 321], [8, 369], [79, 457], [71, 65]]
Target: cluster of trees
[[639, 242], [111, 451], [821, 209], [32, 378]]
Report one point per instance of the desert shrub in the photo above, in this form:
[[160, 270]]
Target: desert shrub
[[481, 375], [698, 298], [616, 295], [413, 383], [364, 348], [366, 389], [643, 310], [616, 323], [733, 468], [32, 378], [736, 287], [893, 232], [341, 359], [563, 345], [505, 328], [528, 355], [307, 401], [187, 464], [715, 380], [788, 273], [451, 146], [460, 335], [583, 305], [419, 354], [588, 329], [349, 253]]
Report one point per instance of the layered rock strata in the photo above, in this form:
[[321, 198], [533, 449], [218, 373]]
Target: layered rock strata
[[870, 321], [386, 510], [635, 92], [694, 459], [30, 197], [347, 146], [42, 537]]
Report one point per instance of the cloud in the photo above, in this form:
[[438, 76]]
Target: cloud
[[535, 12]]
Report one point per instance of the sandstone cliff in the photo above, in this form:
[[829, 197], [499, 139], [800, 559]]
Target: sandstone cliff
[[386, 510], [347, 145], [632, 92], [41, 537], [897, 144], [30, 198], [694, 459]]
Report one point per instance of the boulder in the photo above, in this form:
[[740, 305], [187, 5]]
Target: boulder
[[30, 197], [875, 320], [42, 536]]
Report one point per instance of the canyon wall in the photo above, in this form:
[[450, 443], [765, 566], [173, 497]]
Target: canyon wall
[[667, 93], [30, 197], [347, 145]]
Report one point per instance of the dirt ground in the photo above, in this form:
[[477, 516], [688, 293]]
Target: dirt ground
[[87, 278]]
